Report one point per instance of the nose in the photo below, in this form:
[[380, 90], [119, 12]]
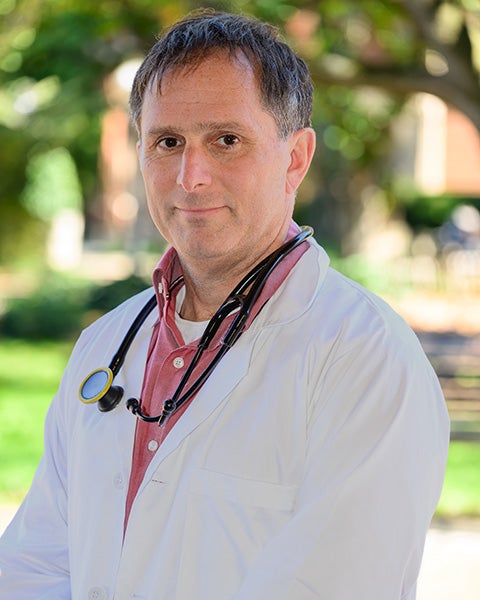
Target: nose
[[194, 170]]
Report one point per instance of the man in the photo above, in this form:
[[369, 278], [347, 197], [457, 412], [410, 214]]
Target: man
[[310, 461]]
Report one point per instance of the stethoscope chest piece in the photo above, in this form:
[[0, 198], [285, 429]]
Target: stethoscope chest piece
[[97, 387]]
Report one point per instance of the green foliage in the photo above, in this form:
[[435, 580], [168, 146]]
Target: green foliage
[[356, 123], [432, 211], [22, 236], [29, 376], [107, 297], [461, 490], [55, 57], [61, 306], [54, 311], [52, 184], [372, 276]]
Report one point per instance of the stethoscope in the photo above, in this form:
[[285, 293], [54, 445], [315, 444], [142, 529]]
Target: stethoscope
[[97, 386]]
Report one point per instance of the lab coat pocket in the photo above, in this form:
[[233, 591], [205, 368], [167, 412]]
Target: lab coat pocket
[[245, 491], [229, 519]]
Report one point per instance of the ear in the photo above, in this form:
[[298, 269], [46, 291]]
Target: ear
[[302, 147]]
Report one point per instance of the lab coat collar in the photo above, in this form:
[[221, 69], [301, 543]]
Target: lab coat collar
[[298, 292], [292, 299]]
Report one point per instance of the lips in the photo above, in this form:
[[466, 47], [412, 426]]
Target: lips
[[200, 211]]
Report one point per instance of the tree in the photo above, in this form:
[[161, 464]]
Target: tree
[[54, 59], [397, 48], [55, 56], [408, 46]]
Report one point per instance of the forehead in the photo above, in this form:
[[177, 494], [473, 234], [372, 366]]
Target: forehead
[[213, 69], [218, 85], [197, 59]]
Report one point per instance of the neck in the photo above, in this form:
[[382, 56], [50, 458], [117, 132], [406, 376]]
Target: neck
[[209, 282], [201, 302], [207, 286], [205, 290]]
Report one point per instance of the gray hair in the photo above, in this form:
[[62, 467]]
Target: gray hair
[[285, 86]]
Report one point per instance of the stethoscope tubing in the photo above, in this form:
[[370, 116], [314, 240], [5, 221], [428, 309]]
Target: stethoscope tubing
[[97, 387], [119, 357], [257, 278]]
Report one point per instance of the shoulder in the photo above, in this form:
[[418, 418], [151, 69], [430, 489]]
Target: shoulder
[[336, 301], [350, 319]]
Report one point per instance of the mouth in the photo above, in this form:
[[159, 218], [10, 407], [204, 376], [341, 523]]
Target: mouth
[[199, 212]]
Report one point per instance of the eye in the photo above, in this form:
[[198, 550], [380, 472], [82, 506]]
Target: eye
[[168, 143], [228, 139]]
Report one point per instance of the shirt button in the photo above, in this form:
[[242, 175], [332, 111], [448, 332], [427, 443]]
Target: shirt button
[[118, 481], [152, 445], [178, 362], [160, 288], [97, 593]]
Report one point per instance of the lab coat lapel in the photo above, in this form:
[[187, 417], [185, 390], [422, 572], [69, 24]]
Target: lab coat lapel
[[231, 369], [296, 297]]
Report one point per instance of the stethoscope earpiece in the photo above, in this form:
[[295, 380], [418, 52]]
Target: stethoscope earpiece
[[97, 387]]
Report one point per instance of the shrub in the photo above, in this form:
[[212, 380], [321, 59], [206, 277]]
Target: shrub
[[61, 306], [104, 298], [53, 311]]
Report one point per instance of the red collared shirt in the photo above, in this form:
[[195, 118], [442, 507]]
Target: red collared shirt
[[169, 356]]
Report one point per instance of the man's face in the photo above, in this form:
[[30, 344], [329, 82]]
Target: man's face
[[214, 167]]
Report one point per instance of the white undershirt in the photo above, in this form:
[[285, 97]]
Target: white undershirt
[[190, 330]]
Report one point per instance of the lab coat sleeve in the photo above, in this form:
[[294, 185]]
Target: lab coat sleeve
[[377, 442], [34, 548]]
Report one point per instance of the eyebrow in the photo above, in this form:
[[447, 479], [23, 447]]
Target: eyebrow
[[202, 127]]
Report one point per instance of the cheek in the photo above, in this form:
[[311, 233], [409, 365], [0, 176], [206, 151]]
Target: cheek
[[155, 179], [158, 171], [269, 191], [156, 204], [155, 215], [157, 189]]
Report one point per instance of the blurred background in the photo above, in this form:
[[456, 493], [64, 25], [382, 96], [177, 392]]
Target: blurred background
[[393, 194]]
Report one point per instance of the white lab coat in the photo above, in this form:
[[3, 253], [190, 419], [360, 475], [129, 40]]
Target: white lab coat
[[308, 466]]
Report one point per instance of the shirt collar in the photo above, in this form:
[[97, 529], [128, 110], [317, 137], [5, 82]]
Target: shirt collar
[[169, 269]]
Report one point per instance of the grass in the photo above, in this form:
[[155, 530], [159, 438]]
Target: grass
[[461, 490], [29, 376]]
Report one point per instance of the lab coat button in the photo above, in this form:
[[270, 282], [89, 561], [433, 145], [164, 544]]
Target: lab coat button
[[118, 481], [97, 593], [178, 362], [152, 445]]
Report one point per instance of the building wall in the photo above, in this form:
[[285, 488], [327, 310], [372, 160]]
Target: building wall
[[462, 174], [447, 150]]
